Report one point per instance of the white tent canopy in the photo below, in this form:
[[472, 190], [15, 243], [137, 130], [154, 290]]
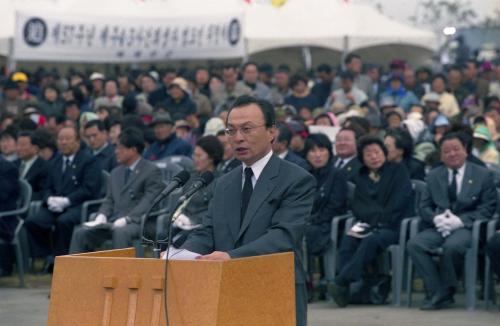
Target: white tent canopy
[[327, 24]]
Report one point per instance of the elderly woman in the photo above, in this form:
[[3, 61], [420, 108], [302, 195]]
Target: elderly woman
[[399, 146], [331, 192], [207, 155], [382, 199]]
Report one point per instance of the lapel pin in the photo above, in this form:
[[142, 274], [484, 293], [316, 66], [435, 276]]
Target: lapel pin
[[470, 181]]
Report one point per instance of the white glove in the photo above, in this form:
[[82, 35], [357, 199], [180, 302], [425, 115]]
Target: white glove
[[64, 202], [453, 222], [183, 222], [100, 219], [54, 204], [119, 223], [439, 219]]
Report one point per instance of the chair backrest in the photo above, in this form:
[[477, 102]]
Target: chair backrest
[[496, 174], [24, 199], [168, 170], [185, 162], [419, 187]]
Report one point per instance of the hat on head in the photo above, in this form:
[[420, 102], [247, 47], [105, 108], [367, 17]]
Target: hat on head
[[97, 76], [387, 102], [397, 64], [162, 118], [181, 82], [182, 124], [19, 77], [213, 126]]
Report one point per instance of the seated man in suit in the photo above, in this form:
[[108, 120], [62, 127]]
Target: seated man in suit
[[346, 153], [97, 138], [261, 207], [133, 186], [458, 193], [74, 177], [280, 148], [8, 196], [229, 162], [32, 167]]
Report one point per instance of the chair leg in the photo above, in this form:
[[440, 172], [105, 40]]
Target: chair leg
[[470, 279], [20, 262], [396, 275], [329, 264], [409, 283], [487, 282]]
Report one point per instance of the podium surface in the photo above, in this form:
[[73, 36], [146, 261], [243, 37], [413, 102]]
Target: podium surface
[[115, 288]]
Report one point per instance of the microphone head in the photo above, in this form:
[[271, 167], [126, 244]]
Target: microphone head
[[182, 177], [207, 177]]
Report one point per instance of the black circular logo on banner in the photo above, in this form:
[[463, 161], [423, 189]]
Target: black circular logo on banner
[[35, 32], [234, 32]]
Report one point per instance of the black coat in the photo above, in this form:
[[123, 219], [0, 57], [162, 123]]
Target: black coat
[[107, 158], [36, 176], [351, 169], [9, 192], [330, 200], [416, 168], [84, 182], [385, 203]]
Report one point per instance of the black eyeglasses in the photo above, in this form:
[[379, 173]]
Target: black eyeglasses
[[246, 130]]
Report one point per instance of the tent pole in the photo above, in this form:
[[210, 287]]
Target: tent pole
[[307, 58], [11, 62], [345, 51]]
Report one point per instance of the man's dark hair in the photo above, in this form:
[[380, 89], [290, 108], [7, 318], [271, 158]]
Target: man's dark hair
[[283, 68], [250, 63], [360, 124], [439, 76], [67, 104], [132, 138], [285, 135], [59, 118], [9, 132], [324, 67], [27, 124], [350, 57], [347, 75], [266, 108], [77, 134], [44, 139], [368, 140], [295, 79], [453, 135], [467, 134], [356, 129], [168, 70], [213, 147], [220, 133], [96, 123], [402, 140], [114, 122], [318, 140], [488, 100], [34, 137]]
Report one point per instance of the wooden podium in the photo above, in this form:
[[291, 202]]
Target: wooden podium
[[115, 288]]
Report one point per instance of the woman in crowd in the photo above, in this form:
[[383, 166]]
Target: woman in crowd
[[207, 155], [381, 200], [399, 146], [51, 102]]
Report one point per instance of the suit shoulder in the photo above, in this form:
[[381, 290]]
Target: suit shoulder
[[291, 169]]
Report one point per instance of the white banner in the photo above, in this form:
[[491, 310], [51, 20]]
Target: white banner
[[73, 38]]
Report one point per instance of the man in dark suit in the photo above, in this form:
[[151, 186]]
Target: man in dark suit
[[133, 186], [458, 193], [8, 197], [97, 137], [280, 148], [32, 167], [346, 157], [273, 198], [74, 177]]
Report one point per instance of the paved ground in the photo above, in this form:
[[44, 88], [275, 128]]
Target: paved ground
[[23, 307]]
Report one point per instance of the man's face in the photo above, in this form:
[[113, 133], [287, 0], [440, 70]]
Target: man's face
[[125, 155], [255, 142], [168, 78], [324, 76], [393, 153], [123, 85], [251, 74], [438, 85], [355, 65], [95, 137], [98, 85], [25, 149], [7, 145], [73, 112], [346, 85], [228, 150], [281, 80], [202, 77], [12, 94], [229, 76], [111, 89], [175, 91], [148, 85], [67, 141], [162, 131], [470, 71], [454, 78], [395, 84], [114, 133], [453, 153], [409, 78], [345, 144], [374, 74], [495, 116]]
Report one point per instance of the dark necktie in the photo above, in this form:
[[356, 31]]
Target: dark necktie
[[340, 164], [66, 168], [128, 171], [247, 191], [452, 188]]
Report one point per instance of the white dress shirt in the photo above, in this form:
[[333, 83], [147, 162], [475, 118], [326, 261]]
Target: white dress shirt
[[257, 168]]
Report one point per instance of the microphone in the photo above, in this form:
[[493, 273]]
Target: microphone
[[177, 181], [205, 179]]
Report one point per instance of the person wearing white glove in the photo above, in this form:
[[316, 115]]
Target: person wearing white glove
[[100, 219], [57, 204], [121, 222]]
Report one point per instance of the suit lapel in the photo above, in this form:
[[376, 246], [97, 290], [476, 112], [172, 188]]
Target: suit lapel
[[467, 183], [232, 191], [133, 176], [262, 190]]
